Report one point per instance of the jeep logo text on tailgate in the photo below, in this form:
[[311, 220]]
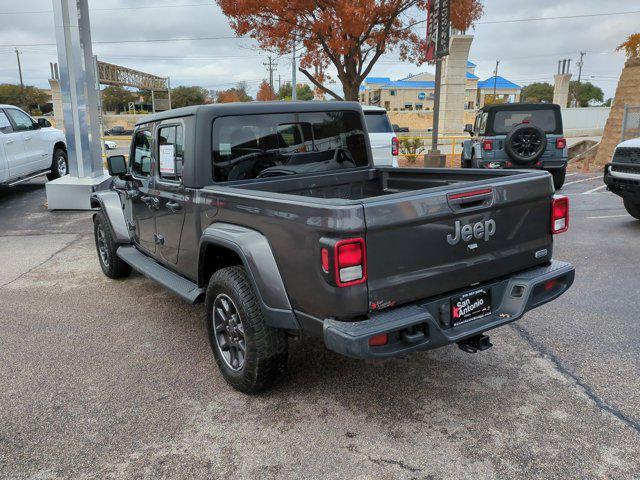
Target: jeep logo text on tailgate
[[478, 230]]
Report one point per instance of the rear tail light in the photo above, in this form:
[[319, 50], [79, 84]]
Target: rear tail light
[[395, 146], [561, 143], [344, 262], [487, 145], [559, 214]]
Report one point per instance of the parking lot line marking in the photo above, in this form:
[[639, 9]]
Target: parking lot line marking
[[593, 190], [570, 174], [582, 180], [606, 216]]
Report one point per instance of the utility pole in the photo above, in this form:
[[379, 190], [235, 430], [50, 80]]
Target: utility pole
[[495, 80], [19, 68], [294, 89], [580, 65], [271, 68]]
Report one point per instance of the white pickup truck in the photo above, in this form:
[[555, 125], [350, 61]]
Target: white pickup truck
[[28, 148]]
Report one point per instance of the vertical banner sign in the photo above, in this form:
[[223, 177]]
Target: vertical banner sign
[[432, 35], [438, 20], [444, 20]]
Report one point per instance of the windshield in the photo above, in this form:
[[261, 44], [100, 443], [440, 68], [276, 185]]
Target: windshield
[[505, 120], [258, 146], [377, 122]]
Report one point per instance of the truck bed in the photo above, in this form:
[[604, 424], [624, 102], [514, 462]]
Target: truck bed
[[412, 221], [371, 183]]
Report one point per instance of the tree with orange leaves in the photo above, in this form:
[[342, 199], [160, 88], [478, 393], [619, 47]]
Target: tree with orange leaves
[[265, 92], [631, 46], [351, 35]]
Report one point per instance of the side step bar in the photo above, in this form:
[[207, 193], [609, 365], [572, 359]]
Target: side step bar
[[165, 277], [30, 177]]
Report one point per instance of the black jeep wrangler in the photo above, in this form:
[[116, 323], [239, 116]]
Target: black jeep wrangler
[[518, 135]]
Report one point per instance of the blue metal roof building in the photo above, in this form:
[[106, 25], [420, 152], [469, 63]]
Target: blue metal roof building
[[416, 92]]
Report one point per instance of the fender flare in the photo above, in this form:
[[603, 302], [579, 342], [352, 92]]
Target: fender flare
[[257, 258], [109, 202]]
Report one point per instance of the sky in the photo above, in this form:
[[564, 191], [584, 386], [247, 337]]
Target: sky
[[528, 51]]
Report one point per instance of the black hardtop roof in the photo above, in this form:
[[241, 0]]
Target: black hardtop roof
[[520, 106], [250, 108]]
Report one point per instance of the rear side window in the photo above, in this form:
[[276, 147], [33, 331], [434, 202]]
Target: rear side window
[[5, 124], [141, 164], [170, 152], [377, 122], [504, 121], [259, 146]]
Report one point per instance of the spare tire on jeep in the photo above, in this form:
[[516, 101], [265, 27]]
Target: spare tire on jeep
[[525, 144]]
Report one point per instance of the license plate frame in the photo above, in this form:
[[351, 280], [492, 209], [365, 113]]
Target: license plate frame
[[471, 306]]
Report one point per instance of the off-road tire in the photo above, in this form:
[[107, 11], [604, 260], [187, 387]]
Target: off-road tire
[[632, 207], [266, 354], [59, 154], [558, 177], [514, 141], [113, 266]]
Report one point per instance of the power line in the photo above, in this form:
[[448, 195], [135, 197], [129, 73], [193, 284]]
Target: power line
[[564, 17], [112, 9], [536, 19], [150, 40]]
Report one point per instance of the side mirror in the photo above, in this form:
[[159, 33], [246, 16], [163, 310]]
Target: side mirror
[[117, 165], [468, 128], [43, 123]]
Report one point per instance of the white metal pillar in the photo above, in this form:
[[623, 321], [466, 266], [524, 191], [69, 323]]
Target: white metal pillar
[[80, 106]]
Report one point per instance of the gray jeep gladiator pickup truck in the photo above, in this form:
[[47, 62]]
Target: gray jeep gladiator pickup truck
[[518, 135], [274, 216]]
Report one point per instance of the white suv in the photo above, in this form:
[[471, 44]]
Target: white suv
[[29, 148], [384, 143]]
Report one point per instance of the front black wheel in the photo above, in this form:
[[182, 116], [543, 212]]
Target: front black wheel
[[251, 355], [59, 164], [632, 207], [558, 177], [112, 265]]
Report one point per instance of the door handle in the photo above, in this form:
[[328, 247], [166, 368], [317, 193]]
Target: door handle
[[173, 206], [10, 141], [27, 139]]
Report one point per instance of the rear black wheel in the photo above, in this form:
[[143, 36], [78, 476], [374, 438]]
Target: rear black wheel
[[558, 177], [633, 207], [251, 355]]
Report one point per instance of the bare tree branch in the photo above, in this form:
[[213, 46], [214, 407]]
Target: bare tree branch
[[319, 85]]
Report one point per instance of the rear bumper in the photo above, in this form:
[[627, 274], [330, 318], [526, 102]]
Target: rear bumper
[[624, 181], [555, 164], [425, 325]]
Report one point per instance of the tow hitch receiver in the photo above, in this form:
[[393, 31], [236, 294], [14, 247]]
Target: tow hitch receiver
[[474, 344]]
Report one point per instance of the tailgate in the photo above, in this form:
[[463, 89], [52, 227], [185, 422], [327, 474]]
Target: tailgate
[[430, 242]]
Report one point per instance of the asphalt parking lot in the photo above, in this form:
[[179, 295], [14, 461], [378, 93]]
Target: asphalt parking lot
[[115, 379]]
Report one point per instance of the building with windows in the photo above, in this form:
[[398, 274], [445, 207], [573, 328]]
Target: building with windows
[[416, 92]]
